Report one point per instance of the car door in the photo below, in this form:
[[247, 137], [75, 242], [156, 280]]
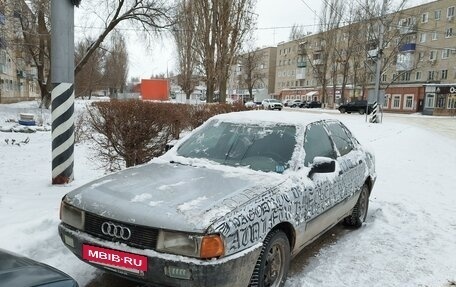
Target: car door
[[318, 191], [351, 167]]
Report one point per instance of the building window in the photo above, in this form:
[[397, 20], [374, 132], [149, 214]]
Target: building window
[[449, 32], [386, 101], [430, 101], [451, 102], [432, 55], [437, 14], [434, 35], [408, 102], [405, 77], [444, 74], [396, 101], [418, 76], [445, 53], [450, 12], [384, 77], [431, 75], [424, 17], [422, 37], [440, 101], [420, 56]]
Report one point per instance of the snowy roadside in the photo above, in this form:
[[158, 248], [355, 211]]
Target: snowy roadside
[[408, 239]]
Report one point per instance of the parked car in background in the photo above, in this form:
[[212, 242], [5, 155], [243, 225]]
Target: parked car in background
[[286, 102], [228, 205], [250, 105], [19, 271], [295, 103], [272, 104], [359, 106], [311, 105]]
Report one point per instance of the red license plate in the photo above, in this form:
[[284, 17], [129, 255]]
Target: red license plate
[[119, 259]]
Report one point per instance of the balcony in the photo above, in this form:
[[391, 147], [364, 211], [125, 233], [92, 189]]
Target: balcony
[[317, 62], [302, 64], [410, 29], [409, 47], [405, 62], [300, 73]]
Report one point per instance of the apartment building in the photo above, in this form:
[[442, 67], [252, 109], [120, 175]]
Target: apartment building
[[17, 75], [260, 66], [419, 68]]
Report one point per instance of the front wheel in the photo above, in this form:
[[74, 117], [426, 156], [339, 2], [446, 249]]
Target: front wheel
[[272, 266], [342, 110], [359, 213], [361, 111]]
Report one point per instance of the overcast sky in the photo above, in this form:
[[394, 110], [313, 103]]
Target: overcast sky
[[275, 19]]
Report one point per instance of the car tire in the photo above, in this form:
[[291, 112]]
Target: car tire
[[359, 212], [361, 111], [272, 266], [342, 111]]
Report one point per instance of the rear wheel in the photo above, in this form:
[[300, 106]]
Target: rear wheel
[[272, 266], [361, 111], [342, 110], [359, 212]]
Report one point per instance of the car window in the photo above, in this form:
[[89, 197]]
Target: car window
[[317, 143], [258, 147], [341, 139]]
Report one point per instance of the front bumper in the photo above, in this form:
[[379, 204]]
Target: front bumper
[[234, 270]]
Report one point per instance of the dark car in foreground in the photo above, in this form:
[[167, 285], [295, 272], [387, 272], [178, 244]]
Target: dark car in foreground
[[229, 205], [360, 107], [19, 271]]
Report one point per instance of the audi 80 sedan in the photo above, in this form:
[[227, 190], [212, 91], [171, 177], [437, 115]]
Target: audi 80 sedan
[[228, 205]]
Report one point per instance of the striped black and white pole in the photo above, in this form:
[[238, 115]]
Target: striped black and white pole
[[62, 133], [62, 96], [374, 118]]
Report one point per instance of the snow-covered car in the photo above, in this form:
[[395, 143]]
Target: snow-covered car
[[295, 103], [250, 105], [272, 104], [228, 205], [17, 270]]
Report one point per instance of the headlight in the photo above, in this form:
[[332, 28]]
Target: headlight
[[72, 216], [209, 246]]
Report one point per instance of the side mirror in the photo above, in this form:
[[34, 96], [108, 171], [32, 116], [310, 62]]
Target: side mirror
[[322, 165]]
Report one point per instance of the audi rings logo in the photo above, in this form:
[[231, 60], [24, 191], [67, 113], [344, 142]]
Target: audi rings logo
[[115, 230]]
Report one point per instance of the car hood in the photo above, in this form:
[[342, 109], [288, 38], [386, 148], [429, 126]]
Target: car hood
[[165, 195], [16, 270]]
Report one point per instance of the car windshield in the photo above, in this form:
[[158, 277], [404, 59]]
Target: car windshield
[[274, 101], [241, 144]]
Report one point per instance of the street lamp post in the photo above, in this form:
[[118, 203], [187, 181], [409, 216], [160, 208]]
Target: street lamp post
[[62, 96]]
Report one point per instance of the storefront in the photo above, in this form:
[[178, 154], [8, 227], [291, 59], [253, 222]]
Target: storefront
[[440, 100]]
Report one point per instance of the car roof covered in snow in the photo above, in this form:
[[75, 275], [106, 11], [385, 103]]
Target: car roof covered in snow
[[273, 117]]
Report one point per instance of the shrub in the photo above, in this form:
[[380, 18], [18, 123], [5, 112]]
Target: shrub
[[134, 131]]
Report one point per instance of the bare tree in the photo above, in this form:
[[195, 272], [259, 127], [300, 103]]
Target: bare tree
[[34, 24], [91, 76], [221, 27], [149, 15], [297, 32], [184, 35], [116, 65], [251, 73]]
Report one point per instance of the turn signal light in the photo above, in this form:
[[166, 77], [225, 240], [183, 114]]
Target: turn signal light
[[212, 247]]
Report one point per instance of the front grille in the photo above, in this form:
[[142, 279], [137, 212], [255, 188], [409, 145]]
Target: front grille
[[141, 236]]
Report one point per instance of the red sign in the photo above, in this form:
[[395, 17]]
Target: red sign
[[114, 258]]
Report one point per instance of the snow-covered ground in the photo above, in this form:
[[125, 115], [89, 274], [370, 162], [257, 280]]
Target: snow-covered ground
[[409, 238]]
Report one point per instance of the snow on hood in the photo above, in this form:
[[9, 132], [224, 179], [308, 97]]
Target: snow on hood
[[167, 195]]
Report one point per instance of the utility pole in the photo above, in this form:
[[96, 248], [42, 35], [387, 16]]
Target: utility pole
[[375, 117], [62, 96]]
